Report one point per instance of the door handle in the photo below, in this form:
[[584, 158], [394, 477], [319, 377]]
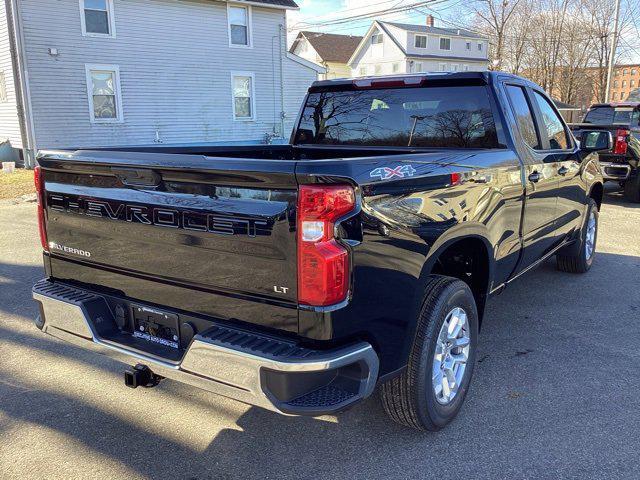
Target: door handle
[[534, 177], [563, 171]]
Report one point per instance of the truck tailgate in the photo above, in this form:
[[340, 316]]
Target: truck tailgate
[[211, 236]]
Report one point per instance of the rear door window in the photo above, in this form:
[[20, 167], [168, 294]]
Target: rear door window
[[441, 117], [524, 116], [553, 126]]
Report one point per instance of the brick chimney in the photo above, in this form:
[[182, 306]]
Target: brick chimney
[[430, 21]]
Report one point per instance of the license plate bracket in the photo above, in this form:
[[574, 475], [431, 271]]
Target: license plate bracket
[[156, 326]]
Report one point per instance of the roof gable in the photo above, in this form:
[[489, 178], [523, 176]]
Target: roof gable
[[376, 26], [330, 47]]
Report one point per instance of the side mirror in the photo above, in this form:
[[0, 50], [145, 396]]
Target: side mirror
[[596, 141]]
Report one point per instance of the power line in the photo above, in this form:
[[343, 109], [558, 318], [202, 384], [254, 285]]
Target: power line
[[369, 15]]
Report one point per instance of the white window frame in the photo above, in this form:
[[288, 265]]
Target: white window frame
[[92, 67], [442, 67], [111, 18], [395, 67], [377, 69], [455, 67], [253, 96], [440, 44], [377, 35], [465, 67], [480, 46], [426, 41], [418, 66], [363, 71], [249, 10]]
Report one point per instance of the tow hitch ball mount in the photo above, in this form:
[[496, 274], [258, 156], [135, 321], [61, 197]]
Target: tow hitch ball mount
[[141, 376]]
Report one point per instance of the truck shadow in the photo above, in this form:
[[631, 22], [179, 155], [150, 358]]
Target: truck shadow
[[614, 195], [518, 403]]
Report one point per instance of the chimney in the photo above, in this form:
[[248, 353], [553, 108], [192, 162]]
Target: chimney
[[430, 21]]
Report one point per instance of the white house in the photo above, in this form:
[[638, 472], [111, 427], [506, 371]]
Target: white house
[[327, 49], [138, 72], [389, 48]]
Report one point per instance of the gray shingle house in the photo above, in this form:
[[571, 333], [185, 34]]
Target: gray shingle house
[[138, 72]]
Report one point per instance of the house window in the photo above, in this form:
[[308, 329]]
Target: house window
[[615, 83], [103, 87], [625, 71], [465, 68], [239, 25], [3, 89], [445, 44], [613, 96], [624, 83], [454, 67], [376, 38], [632, 83], [479, 47], [377, 69], [468, 45], [442, 67], [633, 71], [243, 95], [421, 41], [97, 18], [395, 68], [418, 67], [363, 71]]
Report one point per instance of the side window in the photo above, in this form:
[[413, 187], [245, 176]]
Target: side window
[[553, 125], [239, 25], [103, 87], [97, 18], [635, 118], [524, 116]]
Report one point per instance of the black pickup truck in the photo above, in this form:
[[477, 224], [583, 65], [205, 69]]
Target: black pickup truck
[[620, 163], [298, 277]]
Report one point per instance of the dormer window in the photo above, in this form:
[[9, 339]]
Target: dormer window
[[421, 41], [376, 38], [479, 47], [445, 43]]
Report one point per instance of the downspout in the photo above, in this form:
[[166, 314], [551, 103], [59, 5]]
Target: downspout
[[23, 106], [283, 33]]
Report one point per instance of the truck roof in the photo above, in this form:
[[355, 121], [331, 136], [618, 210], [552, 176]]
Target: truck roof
[[417, 78], [616, 104]]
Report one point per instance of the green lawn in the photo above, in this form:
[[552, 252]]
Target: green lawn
[[16, 184]]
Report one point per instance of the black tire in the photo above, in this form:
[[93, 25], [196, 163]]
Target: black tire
[[575, 259], [632, 189], [410, 399]]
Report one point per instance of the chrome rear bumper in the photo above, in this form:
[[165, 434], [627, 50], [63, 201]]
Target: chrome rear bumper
[[252, 368]]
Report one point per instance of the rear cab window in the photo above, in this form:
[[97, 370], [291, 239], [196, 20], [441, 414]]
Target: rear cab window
[[608, 115], [431, 117]]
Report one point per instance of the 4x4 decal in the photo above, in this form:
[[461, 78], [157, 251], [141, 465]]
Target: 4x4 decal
[[385, 173]]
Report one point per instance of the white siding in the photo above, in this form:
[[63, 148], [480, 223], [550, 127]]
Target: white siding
[[9, 124], [458, 47], [384, 55], [175, 69]]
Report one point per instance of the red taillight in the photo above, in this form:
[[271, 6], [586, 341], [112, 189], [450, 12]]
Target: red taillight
[[621, 142], [323, 264], [39, 183]]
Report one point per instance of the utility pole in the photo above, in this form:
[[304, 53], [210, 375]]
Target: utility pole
[[612, 54]]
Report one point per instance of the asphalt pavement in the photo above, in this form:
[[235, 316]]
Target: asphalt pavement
[[555, 393]]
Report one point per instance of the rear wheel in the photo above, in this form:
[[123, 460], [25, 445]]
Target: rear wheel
[[431, 391], [579, 258], [632, 189]]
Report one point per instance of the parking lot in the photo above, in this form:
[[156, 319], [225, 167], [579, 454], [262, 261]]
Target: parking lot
[[554, 395]]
